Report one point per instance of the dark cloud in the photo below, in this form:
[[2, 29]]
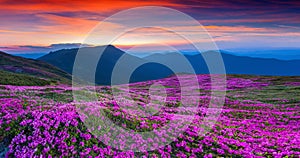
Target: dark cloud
[[247, 12], [80, 14]]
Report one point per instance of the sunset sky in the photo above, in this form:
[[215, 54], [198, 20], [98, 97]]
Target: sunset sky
[[39, 26]]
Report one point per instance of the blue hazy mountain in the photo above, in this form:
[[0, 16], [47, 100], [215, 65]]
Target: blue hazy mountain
[[64, 59]]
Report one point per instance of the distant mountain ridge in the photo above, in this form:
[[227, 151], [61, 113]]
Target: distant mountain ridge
[[31, 68], [281, 54], [31, 55], [64, 59], [239, 64]]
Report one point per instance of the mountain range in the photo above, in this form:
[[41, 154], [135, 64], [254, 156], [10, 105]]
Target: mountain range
[[57, 66], [238, 64], [65, 58]]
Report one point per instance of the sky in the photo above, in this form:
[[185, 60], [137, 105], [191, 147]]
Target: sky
[[34, 26]]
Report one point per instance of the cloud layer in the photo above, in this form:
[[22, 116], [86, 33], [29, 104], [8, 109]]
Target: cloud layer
[[252, 23]]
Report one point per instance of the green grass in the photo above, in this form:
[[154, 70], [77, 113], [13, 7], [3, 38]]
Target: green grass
[[8, 78], [271, 94]]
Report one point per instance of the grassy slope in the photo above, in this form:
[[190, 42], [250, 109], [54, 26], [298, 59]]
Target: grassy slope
[[30, 68]]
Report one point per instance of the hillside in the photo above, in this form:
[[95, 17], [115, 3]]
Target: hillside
[[10, 78], [29, 68], [255, 110]]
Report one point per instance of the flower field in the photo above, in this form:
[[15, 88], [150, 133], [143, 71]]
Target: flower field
[[260, 118]]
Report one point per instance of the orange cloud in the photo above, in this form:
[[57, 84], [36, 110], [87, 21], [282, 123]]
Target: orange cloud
[[78, 5], [66, 25]]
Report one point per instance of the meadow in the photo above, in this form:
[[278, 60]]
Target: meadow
[[260, 118]]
